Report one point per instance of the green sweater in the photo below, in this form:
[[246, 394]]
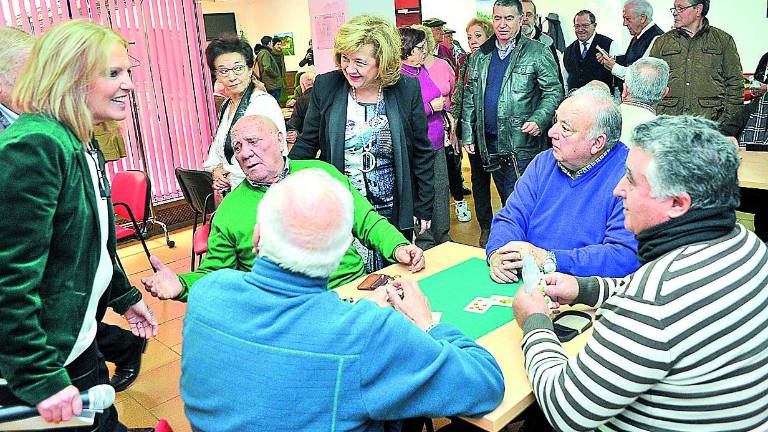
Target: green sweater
[[49, 252], [230, 244]]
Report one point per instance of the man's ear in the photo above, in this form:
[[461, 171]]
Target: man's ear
[[680, 205], [666, 92], [598, 144], [256, 237]]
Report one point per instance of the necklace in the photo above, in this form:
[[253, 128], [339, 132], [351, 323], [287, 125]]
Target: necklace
[[370, 126], [412, 73], [354, 96]]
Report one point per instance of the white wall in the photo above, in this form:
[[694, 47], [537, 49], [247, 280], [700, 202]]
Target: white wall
[[745, 20], [266, 17]]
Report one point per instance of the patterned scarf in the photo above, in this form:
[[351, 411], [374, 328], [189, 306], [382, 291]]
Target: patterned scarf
[[241, 108]]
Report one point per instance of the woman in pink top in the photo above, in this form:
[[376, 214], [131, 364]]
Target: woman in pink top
[[442, 73]]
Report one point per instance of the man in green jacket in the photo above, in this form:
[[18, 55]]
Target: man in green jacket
[[271, 66], [510, 97], [257, 143], [705, 77]]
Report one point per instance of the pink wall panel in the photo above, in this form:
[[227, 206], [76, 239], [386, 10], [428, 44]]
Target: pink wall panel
[[172, 117]]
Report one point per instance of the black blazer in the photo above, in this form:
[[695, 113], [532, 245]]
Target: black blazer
[[324, 127]]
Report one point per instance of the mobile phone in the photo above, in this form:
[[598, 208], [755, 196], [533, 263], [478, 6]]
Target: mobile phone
[[373, 281], [602, 51], [570, 324]]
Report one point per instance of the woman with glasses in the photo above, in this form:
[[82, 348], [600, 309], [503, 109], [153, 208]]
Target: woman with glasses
[[231, 61], [370, 124], [444, 76], [414, 51], [57, 232]]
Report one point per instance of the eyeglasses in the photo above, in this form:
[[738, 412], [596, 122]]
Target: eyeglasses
[[679, 10], [583, 26], [419, 47], [237, 69]]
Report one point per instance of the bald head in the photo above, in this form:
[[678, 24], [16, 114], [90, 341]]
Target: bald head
[[15, 49], [307, 80], [258, 146], [305, 223]]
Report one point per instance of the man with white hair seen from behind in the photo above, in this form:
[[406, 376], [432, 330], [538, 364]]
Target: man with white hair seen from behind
[[15, 48], [322, 363], [644, 86]]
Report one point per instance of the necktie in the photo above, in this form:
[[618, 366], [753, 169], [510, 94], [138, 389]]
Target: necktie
[[584, 51], [633, 41]]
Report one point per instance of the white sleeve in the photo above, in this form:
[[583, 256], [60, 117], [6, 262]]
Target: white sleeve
[[619, 71], [613, 49]]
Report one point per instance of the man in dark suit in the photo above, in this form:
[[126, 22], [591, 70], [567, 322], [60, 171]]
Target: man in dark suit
[[638, 19], [580, 58]]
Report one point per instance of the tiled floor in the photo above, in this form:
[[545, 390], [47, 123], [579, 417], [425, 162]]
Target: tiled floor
[[155, 394]]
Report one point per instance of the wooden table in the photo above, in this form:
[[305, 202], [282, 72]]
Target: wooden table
[[503, 343], [753, 171]]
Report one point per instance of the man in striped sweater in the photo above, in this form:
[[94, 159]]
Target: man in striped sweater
[[682, 343]]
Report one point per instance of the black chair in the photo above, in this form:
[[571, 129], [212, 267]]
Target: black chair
[[197, 187]]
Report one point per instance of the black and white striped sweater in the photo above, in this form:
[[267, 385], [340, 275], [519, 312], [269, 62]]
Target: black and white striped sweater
[[679, 345]]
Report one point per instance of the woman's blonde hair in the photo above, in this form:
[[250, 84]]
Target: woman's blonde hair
[[484, 24], [429, 41], [65, 60], [367, 29]]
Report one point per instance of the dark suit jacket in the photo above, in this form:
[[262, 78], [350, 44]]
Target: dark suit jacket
[[324, 127]]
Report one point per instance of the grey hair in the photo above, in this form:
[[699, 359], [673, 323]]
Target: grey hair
[[15, 49], [607, 114], [640, 7], [647, 79], [689, 154], [294, 235]]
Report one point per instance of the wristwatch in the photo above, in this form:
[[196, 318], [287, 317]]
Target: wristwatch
[[550, 263]]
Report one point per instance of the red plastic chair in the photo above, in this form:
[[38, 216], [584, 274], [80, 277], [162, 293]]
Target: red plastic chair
[[131, 194]]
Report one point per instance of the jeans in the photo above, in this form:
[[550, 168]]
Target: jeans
[[507, 174]]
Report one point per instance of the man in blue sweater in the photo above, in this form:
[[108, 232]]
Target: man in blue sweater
[[273, 349], [562, 211]]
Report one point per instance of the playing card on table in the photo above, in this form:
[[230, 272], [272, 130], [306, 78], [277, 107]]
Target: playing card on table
[[500, 300], [478, 305]]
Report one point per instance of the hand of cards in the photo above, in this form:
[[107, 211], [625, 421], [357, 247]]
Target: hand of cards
[[534, 278]]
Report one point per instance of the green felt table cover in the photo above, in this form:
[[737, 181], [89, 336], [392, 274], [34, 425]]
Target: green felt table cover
[[452, 289]]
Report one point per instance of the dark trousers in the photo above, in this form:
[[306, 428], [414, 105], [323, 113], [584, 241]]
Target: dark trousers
[[756, 201], [506, 176], [455, 180], [84, 373], [117, 344], [481, 191]]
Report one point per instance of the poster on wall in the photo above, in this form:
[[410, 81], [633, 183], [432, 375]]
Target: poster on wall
[[326, 16], [287, 43]]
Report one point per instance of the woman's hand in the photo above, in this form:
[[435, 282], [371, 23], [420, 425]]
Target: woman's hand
[[437, 104], [61, 406], [220, 179]]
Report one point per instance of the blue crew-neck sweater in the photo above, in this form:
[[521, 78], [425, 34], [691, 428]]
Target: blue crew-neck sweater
[[496, 71], [274, 350], [579, 220]]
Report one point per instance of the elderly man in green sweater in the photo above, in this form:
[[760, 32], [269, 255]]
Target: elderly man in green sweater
[[257, 143]]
